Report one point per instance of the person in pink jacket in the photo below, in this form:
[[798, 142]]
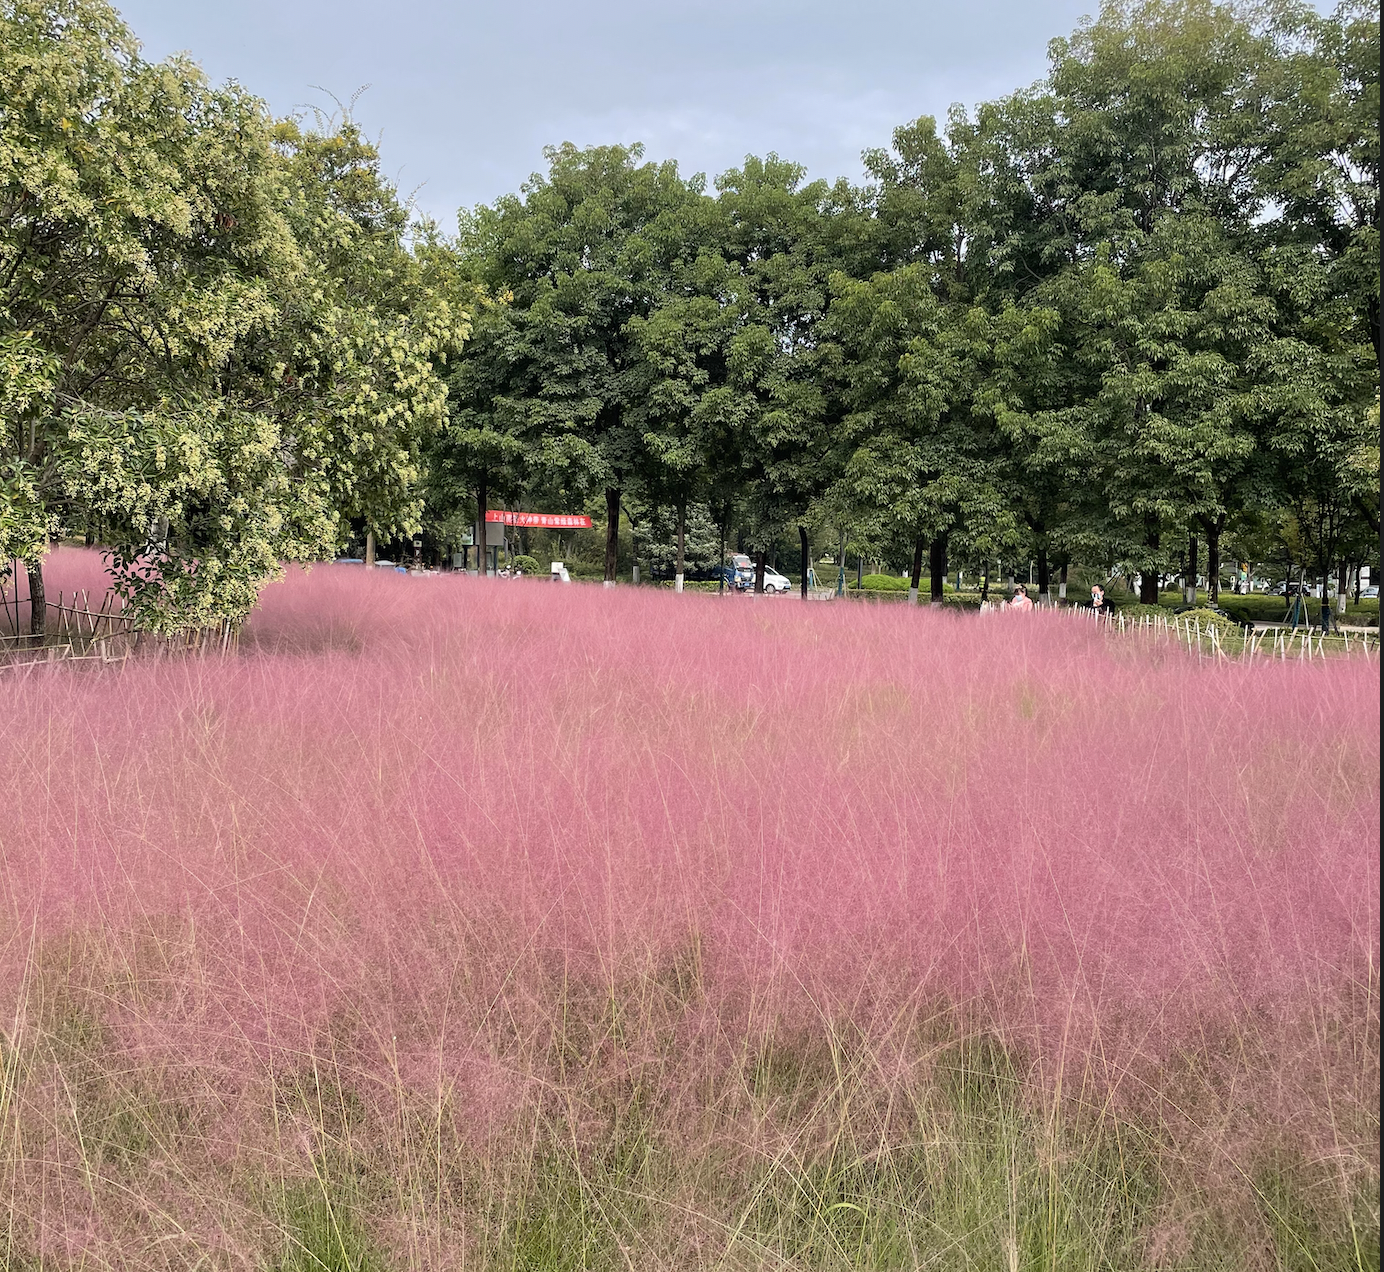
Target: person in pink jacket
[[1020, 601]]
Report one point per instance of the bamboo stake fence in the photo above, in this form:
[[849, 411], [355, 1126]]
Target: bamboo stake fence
[[106, 632], [1209, 643]]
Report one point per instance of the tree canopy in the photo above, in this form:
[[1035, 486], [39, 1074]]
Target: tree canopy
[[215, 347], [1126, 309]]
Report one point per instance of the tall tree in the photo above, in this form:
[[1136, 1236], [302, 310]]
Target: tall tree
[[590, 246], [1149, 177], [786, 237], [1320, 172], [918, 384], [181, 355]]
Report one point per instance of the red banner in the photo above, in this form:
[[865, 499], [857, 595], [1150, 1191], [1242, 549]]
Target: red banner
[[555, 520]]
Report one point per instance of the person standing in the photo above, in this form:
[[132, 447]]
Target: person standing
[[1098, 601]]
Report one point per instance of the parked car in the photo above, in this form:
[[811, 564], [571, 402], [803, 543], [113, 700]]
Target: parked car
[[1372, 592], [741, 572]]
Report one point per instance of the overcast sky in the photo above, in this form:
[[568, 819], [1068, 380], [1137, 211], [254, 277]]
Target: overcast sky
[[464, 94]]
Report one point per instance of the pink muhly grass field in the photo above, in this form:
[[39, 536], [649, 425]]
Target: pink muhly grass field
[[445, 889]]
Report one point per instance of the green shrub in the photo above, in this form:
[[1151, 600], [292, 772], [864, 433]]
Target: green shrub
[[1209, 618], [1137, 611], [880, 583], [526, 563], [692, 585], [892, 583], [1260, 608]]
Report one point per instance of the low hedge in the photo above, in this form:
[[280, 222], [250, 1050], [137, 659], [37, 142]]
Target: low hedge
[[1137, 611], [1256, 607], [691, 585], [1259, 608], [892, 583], [1173, 597], [1209, 618], [879, 583], [951, 599]]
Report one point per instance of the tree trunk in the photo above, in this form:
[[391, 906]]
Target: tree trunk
[[1148, 578], [1372, 315], [937, 562], [1212, 530], [1189, 580], [917, 574], [482, 501], [721, 578], [1369, 510], [369, 549], [759, 572], [985, 582], [804, 558], [1062, 582], [860, 574], [612, 553], [682, 542], [1044, 577], [1342, 587], [38, 603]]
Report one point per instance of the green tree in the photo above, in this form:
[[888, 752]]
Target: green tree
[[921, 391], [1152, 180], [185, 354], [1320, 171], [786, 238], [589, 247], [693, 402]]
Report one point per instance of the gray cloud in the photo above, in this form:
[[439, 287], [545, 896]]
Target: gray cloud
[[465, 95]]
